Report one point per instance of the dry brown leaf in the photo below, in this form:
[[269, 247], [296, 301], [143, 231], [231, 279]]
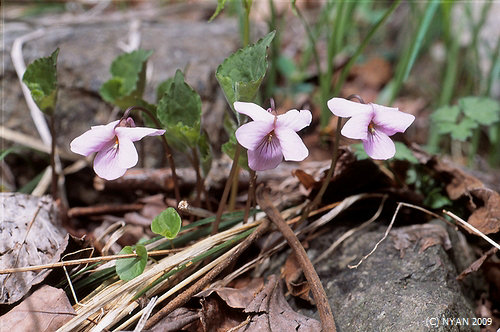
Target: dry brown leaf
[[374, 73], [294, 281], [264, 304], [176, 320], [47, 309], [305, 179], [482, 202], [273, 313], [43, 243], [427, 235], [477, 263]]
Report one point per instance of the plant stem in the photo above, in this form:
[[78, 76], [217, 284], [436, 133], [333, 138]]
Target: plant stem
[[247, 4], [199, 180], [234, 189], [331, 171], [225, 193], [251, 194], [53, 157], [168, 151], [319, 294]]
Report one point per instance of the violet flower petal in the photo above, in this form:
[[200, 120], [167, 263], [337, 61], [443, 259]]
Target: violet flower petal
[[391, 120], [251, 134], [127, 154], [94, 140], [254, 111], [291, 144], [294, 119], [268, 155], [346, 108], [106, 163], [136, 133], [379, 146], [357, 126]]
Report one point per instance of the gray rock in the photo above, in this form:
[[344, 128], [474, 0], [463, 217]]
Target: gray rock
[[86, 53], [388, 292]]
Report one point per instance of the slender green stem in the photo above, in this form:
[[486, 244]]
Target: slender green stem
[[403, 70], [225, 193], [53, 157], [474, 145], [247, 4], [167, 148], [360, 49], [312, 41], [331, 171]]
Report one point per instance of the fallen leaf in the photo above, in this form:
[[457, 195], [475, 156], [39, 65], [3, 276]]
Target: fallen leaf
[[43, 243], [264, 305], [294, 279], [176, 320], [46, 309], [305, 179], [427, 235], [271, 312], [477, 263], [482, 202]]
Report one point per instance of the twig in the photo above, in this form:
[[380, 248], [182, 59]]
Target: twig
[[379, 241], [105, 208], [200, 284], [184, 206], [325, 312], [344, 236], [225, 193], [85, 261], [472, 228], [32, 143]]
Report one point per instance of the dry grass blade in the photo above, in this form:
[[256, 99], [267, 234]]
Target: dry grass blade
[[115, 299], [472, 228]]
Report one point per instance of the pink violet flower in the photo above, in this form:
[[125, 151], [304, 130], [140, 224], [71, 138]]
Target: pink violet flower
[[114, 146], [373, 124], [271, 137]]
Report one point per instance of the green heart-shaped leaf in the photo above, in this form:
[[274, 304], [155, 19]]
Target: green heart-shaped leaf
[[129, 268], [167, 223], [41, 78], [128, 79], [241, 74]]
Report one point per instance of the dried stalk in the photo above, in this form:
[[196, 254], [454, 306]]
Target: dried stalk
[[325, 312]]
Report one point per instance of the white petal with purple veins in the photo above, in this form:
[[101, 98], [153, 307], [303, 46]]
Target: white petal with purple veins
[[106, 164], [379, 146], [251, 134], [268, 155]]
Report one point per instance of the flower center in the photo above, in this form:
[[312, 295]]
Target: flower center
[[115, 146], [270, 137], [371, 127]]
